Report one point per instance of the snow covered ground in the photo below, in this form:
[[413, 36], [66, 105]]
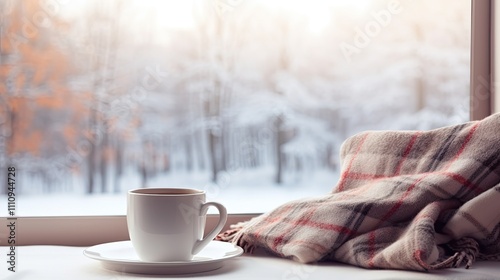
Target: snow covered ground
[[240, 192]]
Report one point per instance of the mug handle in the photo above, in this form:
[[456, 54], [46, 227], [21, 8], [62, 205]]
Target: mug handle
[[200, 244]]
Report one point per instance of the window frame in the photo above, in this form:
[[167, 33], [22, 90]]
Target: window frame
[[482, 69], [495, 41], [91, 230]]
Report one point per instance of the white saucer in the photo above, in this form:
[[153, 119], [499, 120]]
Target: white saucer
[[120, 256]]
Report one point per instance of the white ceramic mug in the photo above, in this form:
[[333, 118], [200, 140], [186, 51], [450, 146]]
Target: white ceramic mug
[[167, 224]]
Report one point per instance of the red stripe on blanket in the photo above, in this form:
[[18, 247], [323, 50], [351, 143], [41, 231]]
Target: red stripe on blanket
[[306, 221], [418, 257], [349, 166], [270, 220], [388, 215], [334, 227], [278, 241], [406, 152], [462, 180], [371, 246], [364, 176], [400, 201], [303, 220], [373, 178]]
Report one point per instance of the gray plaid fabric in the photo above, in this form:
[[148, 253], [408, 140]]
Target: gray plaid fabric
[[415, 200]]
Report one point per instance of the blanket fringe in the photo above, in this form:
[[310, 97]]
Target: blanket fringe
[[235, 235], [466, 251], [230, 234]]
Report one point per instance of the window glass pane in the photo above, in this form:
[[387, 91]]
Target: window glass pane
[[248, 100]]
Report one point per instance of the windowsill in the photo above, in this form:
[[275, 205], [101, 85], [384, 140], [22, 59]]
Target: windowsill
[[68, 262], [83, 231]]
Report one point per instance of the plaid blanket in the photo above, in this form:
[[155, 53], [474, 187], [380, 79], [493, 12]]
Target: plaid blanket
[[413, 200]]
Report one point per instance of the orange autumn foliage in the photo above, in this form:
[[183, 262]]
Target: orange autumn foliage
[[34, 75]]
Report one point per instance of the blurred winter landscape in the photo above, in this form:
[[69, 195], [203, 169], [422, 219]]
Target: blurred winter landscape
[[249, 100]]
